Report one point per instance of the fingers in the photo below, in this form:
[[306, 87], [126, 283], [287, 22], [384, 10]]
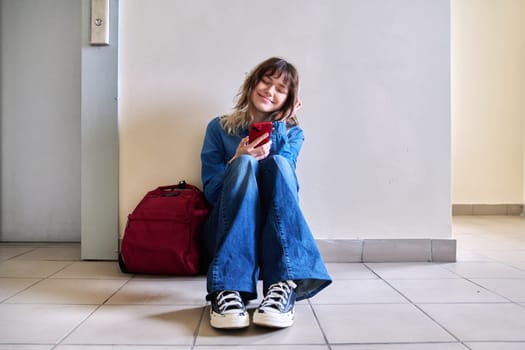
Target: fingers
[[259, 152], [262, 152]]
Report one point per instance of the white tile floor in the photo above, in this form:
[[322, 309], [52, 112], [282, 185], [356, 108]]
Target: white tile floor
[[51, 300]]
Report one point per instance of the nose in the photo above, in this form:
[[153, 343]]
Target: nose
[[270, 89]]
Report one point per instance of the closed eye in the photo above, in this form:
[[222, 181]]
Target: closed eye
[[281, 88]]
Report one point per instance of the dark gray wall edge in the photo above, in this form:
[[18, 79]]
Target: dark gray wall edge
[[1, 104], [100, 144], [514, 209]]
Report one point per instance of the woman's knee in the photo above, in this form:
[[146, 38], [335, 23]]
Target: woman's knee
[[244, 159], [277, 162], [243, 163]]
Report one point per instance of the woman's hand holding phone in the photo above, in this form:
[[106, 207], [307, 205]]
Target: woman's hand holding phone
[[252, 148]]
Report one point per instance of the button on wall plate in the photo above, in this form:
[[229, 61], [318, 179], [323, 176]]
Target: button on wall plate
[[99, 22]]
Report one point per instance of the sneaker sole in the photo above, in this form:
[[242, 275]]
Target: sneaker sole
[[229, 321], [272, 320]]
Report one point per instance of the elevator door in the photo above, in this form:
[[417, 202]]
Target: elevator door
[[40, 120]]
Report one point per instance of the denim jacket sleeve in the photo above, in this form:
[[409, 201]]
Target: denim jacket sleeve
[[213, 163], [287, 142]]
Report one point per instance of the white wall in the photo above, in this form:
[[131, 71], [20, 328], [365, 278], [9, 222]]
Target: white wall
[[376, 92], [488, 105]]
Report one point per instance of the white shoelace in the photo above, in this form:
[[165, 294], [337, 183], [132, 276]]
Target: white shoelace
[[277, 295], [229, 302]]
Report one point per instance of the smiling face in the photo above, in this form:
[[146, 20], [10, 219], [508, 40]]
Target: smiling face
[[268, 96], [269, 92]]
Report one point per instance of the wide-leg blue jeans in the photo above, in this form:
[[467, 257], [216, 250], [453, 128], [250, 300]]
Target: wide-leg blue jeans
[[257, 231]]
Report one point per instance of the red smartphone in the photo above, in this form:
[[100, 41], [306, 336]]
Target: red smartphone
[[257, 129]]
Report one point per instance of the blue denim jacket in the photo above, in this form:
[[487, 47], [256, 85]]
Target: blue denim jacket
[[219, 147]]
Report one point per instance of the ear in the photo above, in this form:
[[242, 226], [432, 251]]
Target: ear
[[298, 104]]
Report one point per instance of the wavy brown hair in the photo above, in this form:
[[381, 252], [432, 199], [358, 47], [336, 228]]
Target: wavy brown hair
[[274, 66]]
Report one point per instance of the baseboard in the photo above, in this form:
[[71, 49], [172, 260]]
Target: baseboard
[[388, 250], [487, 209]]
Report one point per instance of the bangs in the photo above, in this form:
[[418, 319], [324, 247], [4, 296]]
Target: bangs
[[275, 67], [277, 72]]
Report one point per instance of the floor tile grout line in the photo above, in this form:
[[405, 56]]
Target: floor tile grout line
[[498, 341], [24, 253], [430, 317], [466, 347], [493, 291], [61, 340], [21, 291], [33, 249], [469, 279], [509, 264], [325, 337], [40, 279], [419, 308], [62, 269], [116, 291], [197, 329], [490, 261], [400, 343]]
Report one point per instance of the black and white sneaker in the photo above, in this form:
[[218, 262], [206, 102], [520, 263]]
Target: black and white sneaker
[[277, 309], [228, 311]]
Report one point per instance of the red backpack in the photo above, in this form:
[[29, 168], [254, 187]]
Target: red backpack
[[163, 233]]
